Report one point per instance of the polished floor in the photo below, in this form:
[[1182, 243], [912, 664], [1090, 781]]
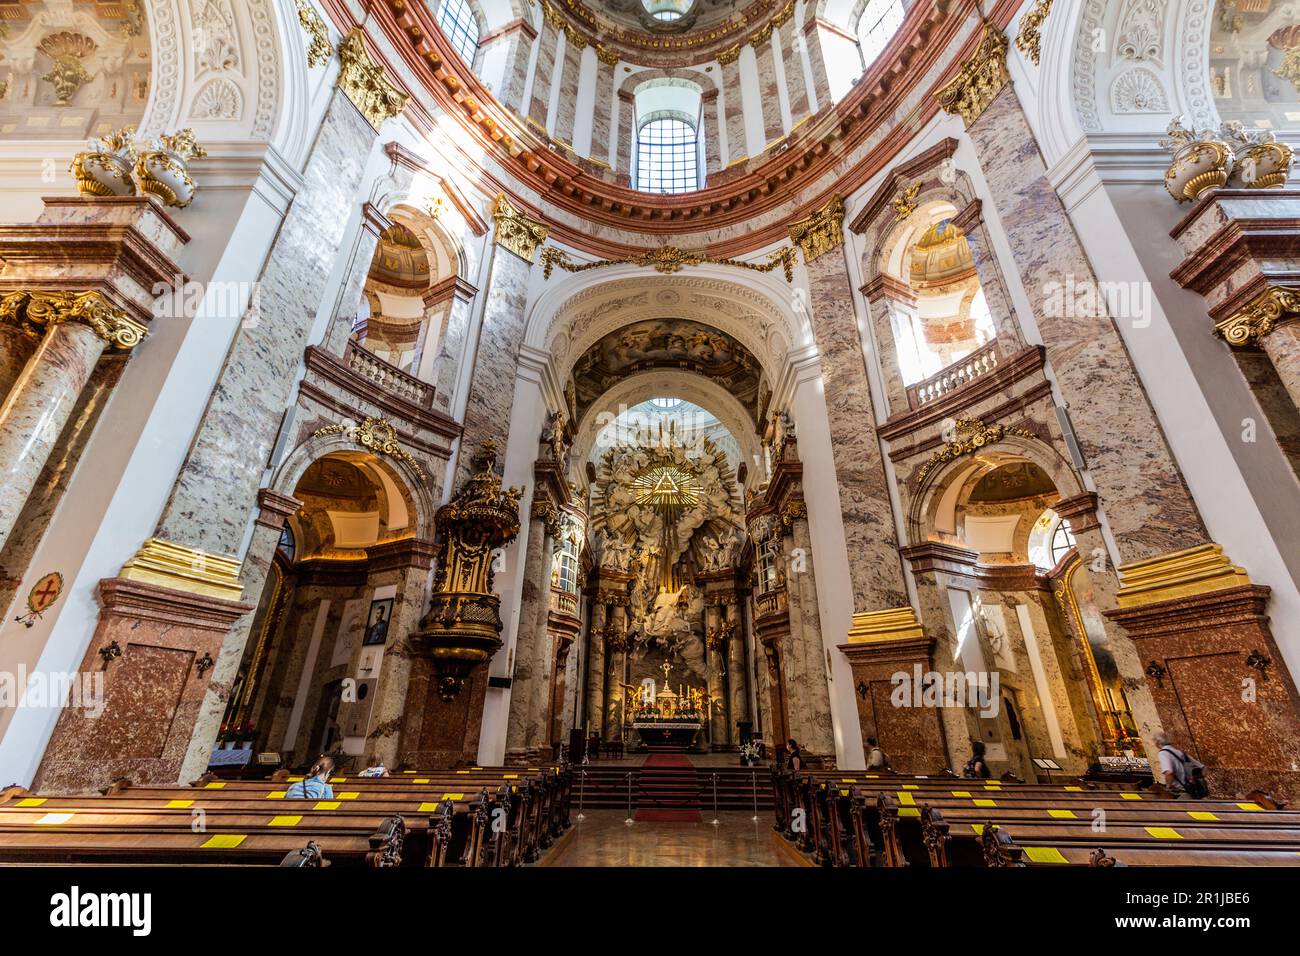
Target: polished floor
[[604, 838]]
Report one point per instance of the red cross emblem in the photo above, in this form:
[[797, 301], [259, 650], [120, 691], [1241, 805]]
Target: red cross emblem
[[46, 592]]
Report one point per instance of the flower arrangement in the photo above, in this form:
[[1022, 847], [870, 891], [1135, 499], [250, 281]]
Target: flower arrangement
[[750, 752]]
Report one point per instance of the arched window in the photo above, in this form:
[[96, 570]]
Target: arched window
[[667, 157], [457, 20], [880, 21], [1062, 541]]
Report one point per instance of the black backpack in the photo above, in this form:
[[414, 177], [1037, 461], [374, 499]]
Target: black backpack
[[1194, 784]]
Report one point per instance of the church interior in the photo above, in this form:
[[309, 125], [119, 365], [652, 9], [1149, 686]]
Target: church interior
[[564, 433]]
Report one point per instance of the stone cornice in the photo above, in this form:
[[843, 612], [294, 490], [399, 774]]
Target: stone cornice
[[812, 153], [885, 286], [404, 157], [331, 369], [898, 176], [1023, 364]]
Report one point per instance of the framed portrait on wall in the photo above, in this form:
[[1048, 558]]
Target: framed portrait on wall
[[377, 622]]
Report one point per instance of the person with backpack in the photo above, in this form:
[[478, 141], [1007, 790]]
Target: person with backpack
[[315, 785], [1181, 773], [876, 758], [977, 767]]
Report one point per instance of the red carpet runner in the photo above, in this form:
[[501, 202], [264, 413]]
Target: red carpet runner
[[668, 790]]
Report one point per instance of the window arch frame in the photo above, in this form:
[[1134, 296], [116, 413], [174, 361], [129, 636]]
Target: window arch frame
[[693, 152]]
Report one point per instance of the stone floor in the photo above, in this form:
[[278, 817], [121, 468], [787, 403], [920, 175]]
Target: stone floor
[[604, 839]]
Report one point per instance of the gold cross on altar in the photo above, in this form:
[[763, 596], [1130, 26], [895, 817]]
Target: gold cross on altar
[[666, 667]]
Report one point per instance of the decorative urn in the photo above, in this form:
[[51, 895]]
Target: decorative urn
[[163, 168], [462, 628], [105, 168], [1202, 161], [1261, 162]]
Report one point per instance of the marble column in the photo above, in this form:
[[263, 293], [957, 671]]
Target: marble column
[[715, 650], [733, 109], [274, 510], [626, 117], [737, 685], [522, 734], [451, 345], [567, 76], [773, 128], [1282, 346], [42, 398], [595, 709], [816, 58], [796, 85], [1150, 511], [544, 70], [810, 699], [887, 302], [494, 354], [874, 568], [600, 150], [713, 161], [384, 735], [616, 672], [209, 505], [971, 222], [511, 47]]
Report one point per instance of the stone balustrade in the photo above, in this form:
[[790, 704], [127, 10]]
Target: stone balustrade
[[978, 363], [388, 376]]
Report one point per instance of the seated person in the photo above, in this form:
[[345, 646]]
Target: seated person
[[314, 786]]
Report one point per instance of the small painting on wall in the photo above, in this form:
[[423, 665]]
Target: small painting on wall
[[377, 621]]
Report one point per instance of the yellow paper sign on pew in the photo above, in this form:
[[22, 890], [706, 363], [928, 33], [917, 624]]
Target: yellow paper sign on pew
[[54, 819], [224, 841], [326, 805], [961, 793], [1202, 815], [338, 779], [462, 771], [1074, 789], [276, 794], [1164, 833], [510, 776], [427, 808], [910, 786], [909, 811], [289, 820], [420, 780], [1044, 854], [453, 796], [178, 804], [1063, 814], [1131, 796], [215, 785], [347, 795], [978, 828], [31, 802], [848, 780], [984, 803], [906, 799], [1250, 806]]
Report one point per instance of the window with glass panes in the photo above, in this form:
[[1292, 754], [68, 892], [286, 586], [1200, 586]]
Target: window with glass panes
[[666, 158], [1062, 540], [460, 26]]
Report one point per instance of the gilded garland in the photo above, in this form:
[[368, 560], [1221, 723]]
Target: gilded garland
[[320, 49], [1029, 39], [377, 434], [668, 260], [972, 435]]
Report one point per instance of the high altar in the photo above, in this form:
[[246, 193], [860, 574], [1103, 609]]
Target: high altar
[[667, 595]]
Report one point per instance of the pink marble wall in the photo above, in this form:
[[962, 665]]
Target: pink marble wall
[[566, 108], [600, 118], [796, 85], [543, 74], [1148, 506], [734, 113], [772, 126]]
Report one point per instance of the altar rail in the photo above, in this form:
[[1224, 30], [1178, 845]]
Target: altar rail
[[954, 376]]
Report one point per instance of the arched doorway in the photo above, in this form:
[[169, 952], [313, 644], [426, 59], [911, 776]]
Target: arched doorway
[[345, 582]]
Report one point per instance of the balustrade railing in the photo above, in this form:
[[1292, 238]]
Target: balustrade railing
[[564, 602], [388, 376], [954, 376]]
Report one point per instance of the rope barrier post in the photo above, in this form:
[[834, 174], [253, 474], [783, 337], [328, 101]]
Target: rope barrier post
[[753, 776], [582, 780], [629, 821], [715, 800]]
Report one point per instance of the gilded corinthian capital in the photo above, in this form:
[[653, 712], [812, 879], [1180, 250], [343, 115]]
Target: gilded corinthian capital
[[364, 82], [821, 232], [1275, 306], [980, 79], [515, 231], [34, 312]]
